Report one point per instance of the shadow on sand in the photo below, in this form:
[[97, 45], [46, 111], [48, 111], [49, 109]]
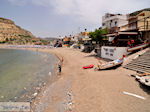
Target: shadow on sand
[[97, 57], [145, 88]]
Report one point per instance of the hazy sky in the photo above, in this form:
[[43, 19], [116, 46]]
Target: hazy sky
[[51, 18]]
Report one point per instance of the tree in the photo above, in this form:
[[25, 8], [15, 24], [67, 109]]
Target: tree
[[98, 35]]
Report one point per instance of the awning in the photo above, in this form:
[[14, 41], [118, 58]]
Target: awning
[[86, 39], [122, 33], [111, 35], [127, 33]]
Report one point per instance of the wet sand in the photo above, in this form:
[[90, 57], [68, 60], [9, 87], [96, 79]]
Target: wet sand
[[79, 90]]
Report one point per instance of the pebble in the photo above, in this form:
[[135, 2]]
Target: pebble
[[2, 96], [34, 94], [44, 83], [50, 74], [40, 84], [69, 94], [37, 88], [15, 97], [69, 103]]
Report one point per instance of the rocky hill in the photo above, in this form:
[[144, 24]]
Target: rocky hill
[[13, 34]]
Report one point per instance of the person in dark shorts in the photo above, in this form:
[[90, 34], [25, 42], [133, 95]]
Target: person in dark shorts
[[59, 68]]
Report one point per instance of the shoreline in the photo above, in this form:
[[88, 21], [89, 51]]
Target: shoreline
[[35, 99]]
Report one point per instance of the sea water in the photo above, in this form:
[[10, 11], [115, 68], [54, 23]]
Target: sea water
[[22, 71]]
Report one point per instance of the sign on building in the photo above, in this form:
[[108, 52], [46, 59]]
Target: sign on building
[[113, 52]]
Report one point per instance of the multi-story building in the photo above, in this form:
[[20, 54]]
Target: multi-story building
[[143, 23], [114, 21], [124, 28], [139, 21]]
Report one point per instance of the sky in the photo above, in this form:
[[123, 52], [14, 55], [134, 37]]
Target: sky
[[53, 18]]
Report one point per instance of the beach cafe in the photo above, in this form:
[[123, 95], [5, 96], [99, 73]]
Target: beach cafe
[[121, 43]]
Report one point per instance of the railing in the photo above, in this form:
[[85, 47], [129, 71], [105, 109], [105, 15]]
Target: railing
[[134, 24], [113, 30], [144, 28]]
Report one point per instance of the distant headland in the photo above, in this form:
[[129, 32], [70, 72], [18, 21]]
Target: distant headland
[[10, 33]]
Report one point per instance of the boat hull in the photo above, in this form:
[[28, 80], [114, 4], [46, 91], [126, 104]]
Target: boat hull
[[137, 47], [111, 64]]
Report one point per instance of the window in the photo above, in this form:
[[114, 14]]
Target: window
[[115, 23], [110, 24]]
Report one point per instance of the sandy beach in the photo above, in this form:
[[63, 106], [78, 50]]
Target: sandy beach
[[79, 90]]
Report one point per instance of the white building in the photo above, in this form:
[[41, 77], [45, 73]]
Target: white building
[[114, 20]]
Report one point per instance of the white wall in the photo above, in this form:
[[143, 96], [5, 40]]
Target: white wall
[[122, 22], [120, 19], [113, 52]]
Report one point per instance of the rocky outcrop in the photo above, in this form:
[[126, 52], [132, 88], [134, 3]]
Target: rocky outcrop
[[13, 34]]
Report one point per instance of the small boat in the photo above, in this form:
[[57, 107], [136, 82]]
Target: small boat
[[145, 80], [88, 66], [140, 46], [111, 64]]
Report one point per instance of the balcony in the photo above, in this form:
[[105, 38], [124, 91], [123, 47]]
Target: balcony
[[113, 30]]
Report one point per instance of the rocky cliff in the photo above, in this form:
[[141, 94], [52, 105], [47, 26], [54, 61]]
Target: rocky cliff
[[13, 34]]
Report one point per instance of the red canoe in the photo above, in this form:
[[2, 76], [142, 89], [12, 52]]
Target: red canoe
[[89, 66]]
